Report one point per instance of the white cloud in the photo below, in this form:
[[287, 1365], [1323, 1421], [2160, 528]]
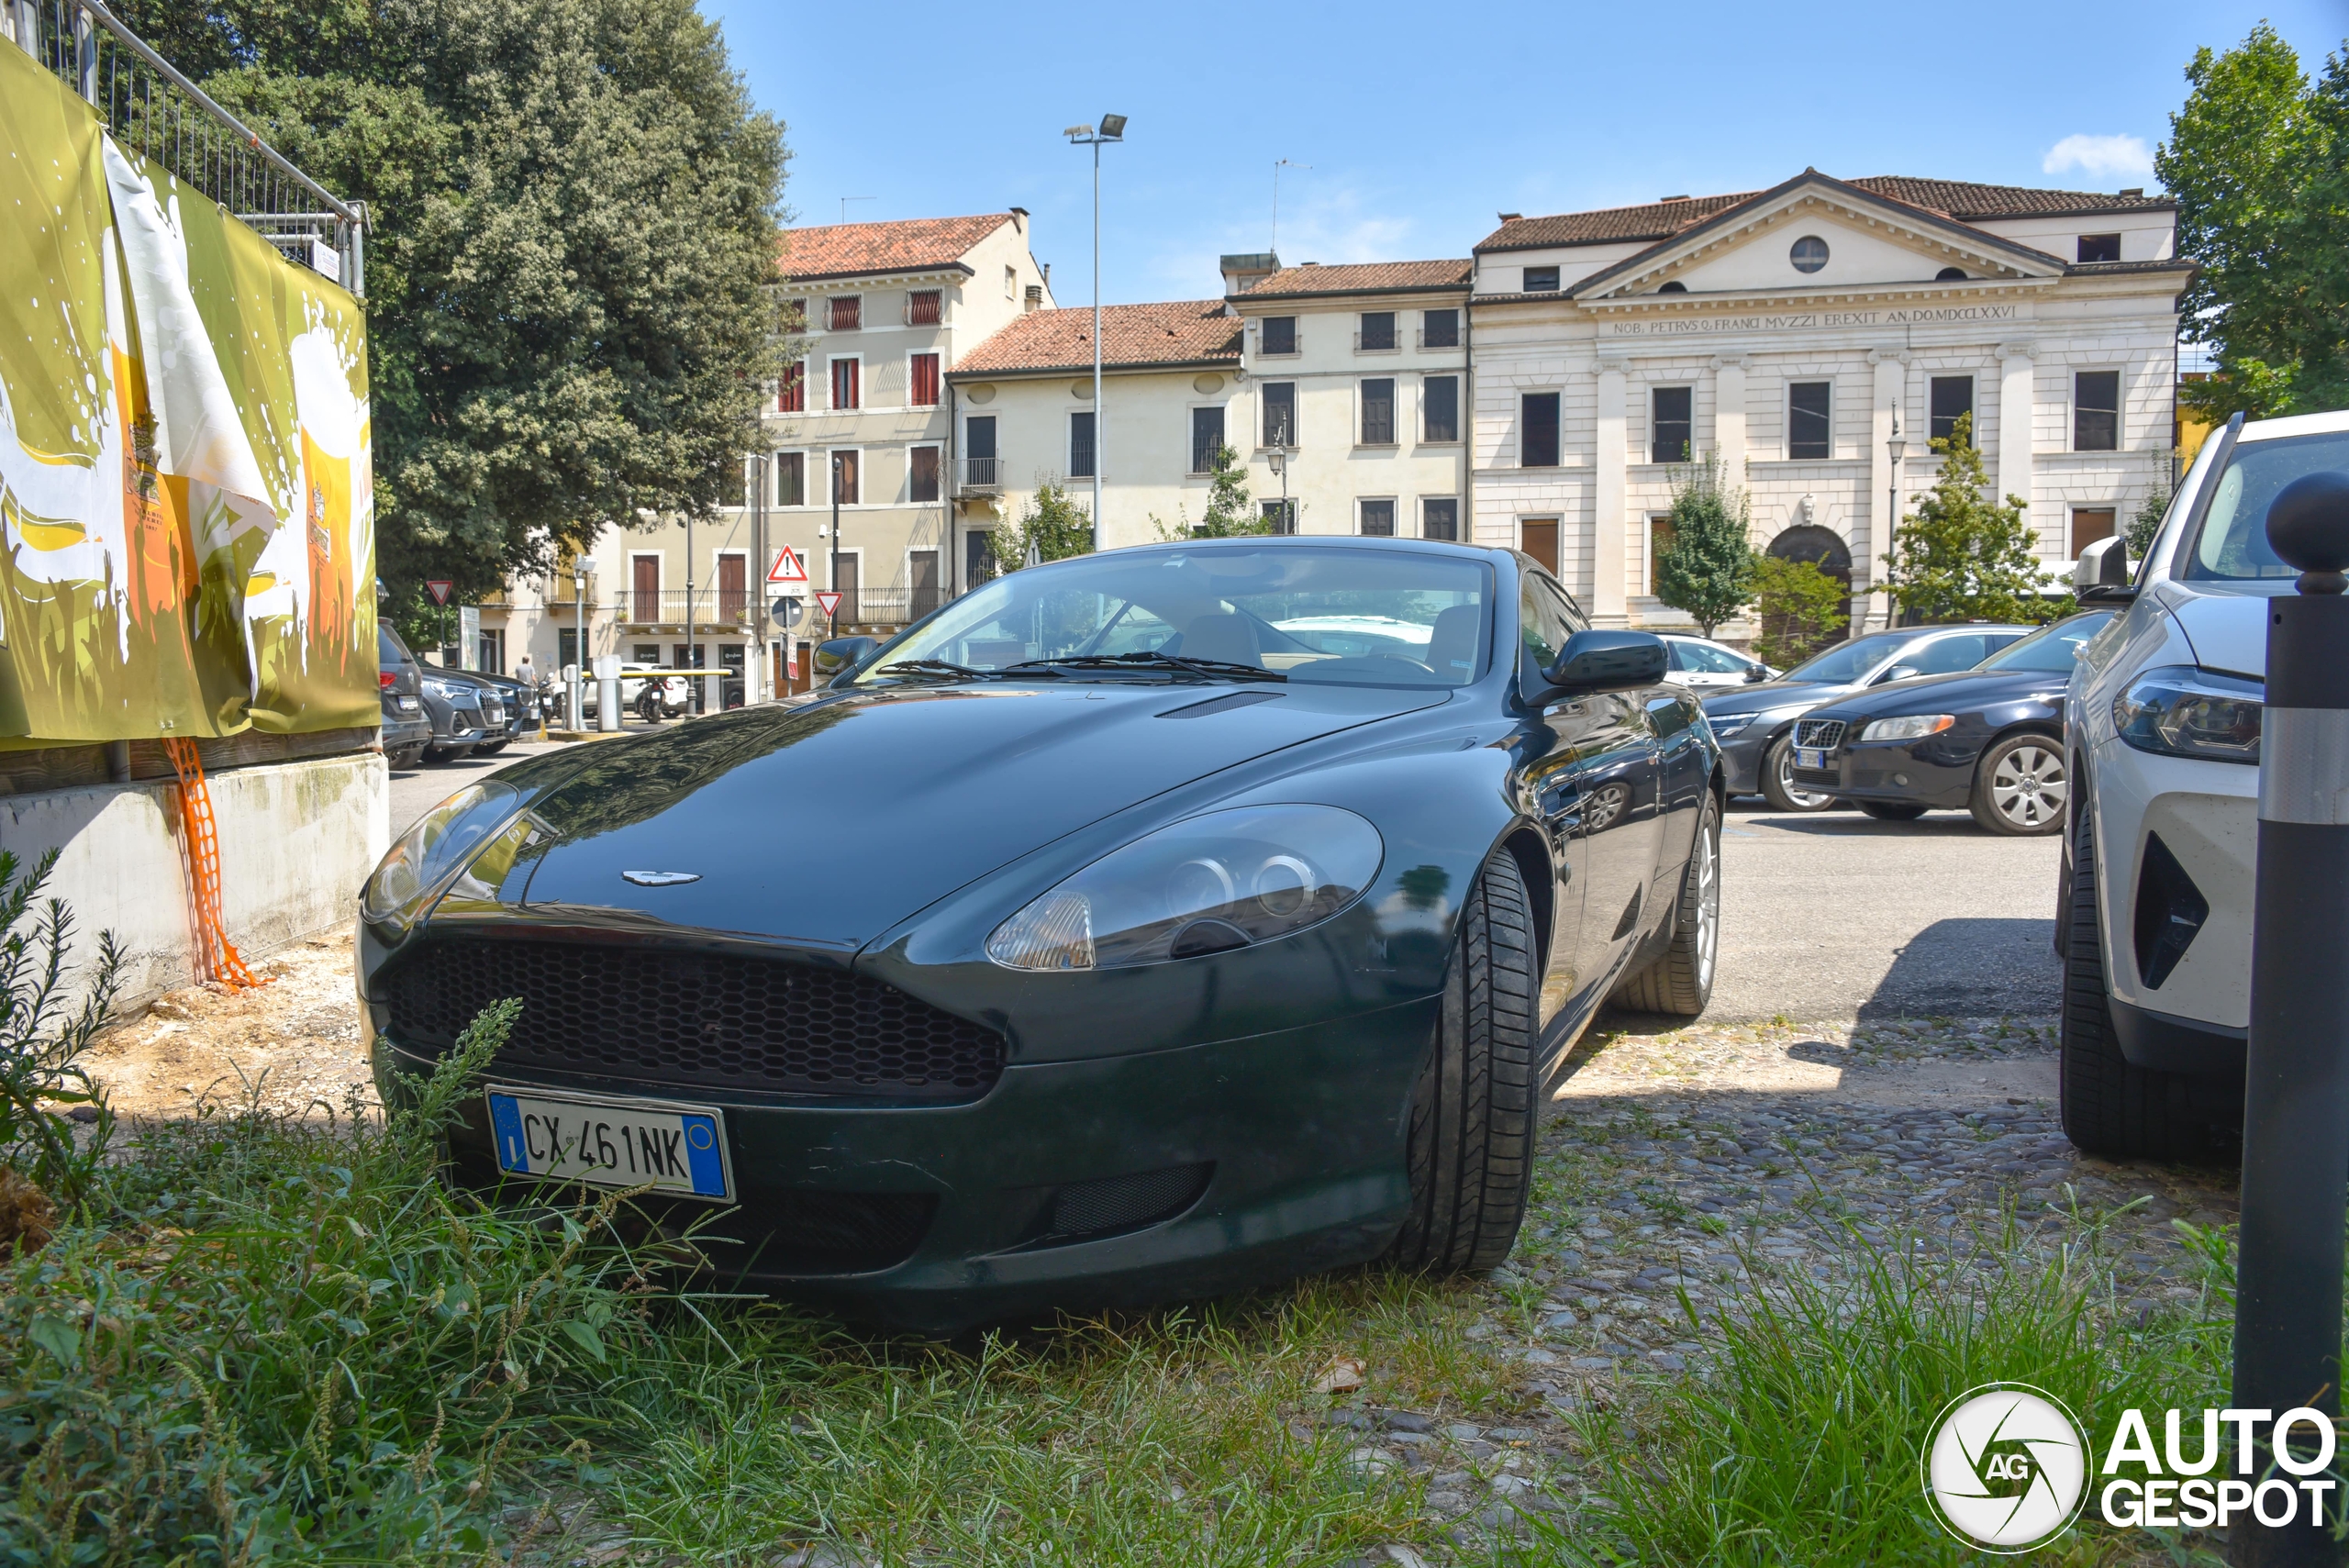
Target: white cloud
[[2100, 155]]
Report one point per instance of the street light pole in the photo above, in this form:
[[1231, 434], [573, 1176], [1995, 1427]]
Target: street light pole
[[835, 575], [1111, 128], [1895, 446]]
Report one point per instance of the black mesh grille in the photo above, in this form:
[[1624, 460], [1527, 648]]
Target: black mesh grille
[[1825, 734], [1124, 1203], [719, 1019]]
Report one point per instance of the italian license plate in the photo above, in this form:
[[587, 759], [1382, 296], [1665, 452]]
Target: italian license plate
[[1809, 757], [611, 1142]]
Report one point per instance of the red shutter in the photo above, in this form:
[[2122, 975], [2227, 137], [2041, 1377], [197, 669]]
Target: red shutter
[[848, 312], [844, 383], [924, 393], [791, 397]]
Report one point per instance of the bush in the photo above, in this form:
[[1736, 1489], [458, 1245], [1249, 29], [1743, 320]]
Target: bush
[[1706, 568], [1053, 525], [1964, 556], [1802, 608], [41, 1079]]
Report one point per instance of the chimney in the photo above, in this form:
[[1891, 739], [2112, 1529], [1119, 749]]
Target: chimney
[[1048, 273], [2135, 191], [1035, 296], [1511, 216], [1662, 199], [1020, 218], [1243, 273]]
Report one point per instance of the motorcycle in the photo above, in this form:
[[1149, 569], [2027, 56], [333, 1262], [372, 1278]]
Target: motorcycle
[[668, 697]]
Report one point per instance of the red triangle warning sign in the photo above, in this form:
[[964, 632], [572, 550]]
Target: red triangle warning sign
[[788, 567], [830, 604]]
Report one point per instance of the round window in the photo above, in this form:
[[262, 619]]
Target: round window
[[1809, 254]]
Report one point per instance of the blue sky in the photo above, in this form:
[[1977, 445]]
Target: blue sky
[[1418, 123]]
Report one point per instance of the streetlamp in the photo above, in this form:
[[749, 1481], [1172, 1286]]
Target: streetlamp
[[581, 568], [1895, 445], [1278, 458], [1112, 129]]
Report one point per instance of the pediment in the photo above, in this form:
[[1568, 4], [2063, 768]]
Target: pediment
[[1870, 243]]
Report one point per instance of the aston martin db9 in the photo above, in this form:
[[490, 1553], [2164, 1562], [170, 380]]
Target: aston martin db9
[[1134, 927]]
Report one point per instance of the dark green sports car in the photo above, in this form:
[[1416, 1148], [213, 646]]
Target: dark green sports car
[[1134, 927]]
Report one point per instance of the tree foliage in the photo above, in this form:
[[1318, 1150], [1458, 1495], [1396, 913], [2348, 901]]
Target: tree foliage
[[2258, 159], [1802, 608], [1962, 556], [1053, 526], [1229, 513], [574, 229], [1706, 566], [2146, 521]]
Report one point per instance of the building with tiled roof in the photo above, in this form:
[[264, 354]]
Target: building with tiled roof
[[1313, 280], [826, 252], [1172, 334]]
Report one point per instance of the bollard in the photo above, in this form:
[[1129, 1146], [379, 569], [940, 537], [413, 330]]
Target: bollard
[[2295, 1104], [607, 694]]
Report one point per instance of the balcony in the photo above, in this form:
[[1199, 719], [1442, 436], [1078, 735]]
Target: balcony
[[1427, 339], [979, 475], [714, 608]]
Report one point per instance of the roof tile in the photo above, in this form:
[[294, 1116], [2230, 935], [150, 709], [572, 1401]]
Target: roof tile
[[849, 250], [1175, 332], [1363, 278]]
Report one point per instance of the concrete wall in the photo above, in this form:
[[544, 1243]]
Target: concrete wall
[[296, 839]]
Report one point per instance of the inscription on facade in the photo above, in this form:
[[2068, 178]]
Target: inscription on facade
[[1809, 321]]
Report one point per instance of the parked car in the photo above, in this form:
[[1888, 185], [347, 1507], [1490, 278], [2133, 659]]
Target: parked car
[[399, 681], [1240, 957], [1703, 664], [509, 709], [2153, 919], [459, 724], [1755, 724], [1988, 740]]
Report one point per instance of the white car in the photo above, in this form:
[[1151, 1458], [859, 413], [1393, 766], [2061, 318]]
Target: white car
[[2162, 724], [1705, 665]]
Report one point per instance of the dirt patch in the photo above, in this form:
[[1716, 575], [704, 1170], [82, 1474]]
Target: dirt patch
[[292, 1043]]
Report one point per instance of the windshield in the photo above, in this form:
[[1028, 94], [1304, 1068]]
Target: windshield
[[1311, 614], [1846, 661], [2050, 647], [2231, 544]]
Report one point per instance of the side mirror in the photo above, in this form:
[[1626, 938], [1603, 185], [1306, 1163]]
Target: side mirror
[[2101, 574], [1756, 674], [841, 655], [1608, 661], [1899, 673]]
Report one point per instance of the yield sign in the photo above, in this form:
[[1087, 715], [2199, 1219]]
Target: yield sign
[[788, 567], [830, 604], [440, 588]]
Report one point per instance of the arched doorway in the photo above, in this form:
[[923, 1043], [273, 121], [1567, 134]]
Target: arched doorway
[[1787, 639]]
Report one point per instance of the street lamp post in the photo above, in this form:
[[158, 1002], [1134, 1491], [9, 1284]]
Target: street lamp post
[[1111, 128], [1278, 458], [1895, 446], [834, 630], [574, 693]]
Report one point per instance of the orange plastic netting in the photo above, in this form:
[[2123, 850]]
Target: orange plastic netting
[[216, 956]]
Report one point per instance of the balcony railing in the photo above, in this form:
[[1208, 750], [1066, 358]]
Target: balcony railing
[[1427, 339], [978, 477], [712, 605], [1382, 344]]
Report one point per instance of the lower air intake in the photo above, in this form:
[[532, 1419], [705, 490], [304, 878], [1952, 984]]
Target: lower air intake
[[1082, 1210]]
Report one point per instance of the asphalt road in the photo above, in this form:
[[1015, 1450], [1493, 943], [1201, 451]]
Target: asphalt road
[[1835, 915], [1840, 915]]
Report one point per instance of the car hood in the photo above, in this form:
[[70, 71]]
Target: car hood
[[1765, 694], [821, 823], [1962, 691], [2228, 630]]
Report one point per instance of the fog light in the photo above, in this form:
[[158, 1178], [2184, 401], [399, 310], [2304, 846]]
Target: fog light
[[1900, 779]]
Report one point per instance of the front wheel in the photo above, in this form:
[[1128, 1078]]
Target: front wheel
[[1778, 780], [1469, 1145], [1681, 979], [2020, 787]]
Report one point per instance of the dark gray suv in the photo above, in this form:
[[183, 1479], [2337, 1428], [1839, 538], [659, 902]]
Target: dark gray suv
[[1755, 724]]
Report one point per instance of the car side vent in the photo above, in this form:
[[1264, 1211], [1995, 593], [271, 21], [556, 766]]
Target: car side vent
[[2170, 911], [1224, 704], [1082, 1211]]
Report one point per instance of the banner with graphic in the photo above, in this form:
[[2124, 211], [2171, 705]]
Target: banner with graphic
[[186, 532]]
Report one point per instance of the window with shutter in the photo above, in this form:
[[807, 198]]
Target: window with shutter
[[1440, 519], [847, 312], [1377, 330], [1278, 335], [922, 309], [847, 384], [791, 394], [1206, 438], [1080, 445], [1378, 413], [1280, 413], [791, 479], [923, 382], [1440, 408], [922, 474], [1378, 518], [1440, 329]]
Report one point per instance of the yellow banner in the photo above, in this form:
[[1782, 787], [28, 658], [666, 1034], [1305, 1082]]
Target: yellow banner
[[186, 530]]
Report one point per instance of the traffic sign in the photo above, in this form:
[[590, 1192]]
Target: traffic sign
[[785, 610], [788, 567], [830, 604], [440, 588]]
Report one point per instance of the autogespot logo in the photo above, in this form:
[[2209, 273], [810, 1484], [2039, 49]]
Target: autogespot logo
[[2006, 1467]]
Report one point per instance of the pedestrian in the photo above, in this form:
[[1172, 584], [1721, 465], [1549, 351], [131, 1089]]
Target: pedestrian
[[527, 672]]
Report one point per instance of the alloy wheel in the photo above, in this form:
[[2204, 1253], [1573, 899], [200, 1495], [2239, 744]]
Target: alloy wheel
[[1808, 800], [1708, 903], [2028, 787]]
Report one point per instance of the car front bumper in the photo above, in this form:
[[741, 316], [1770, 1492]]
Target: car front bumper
[[1741, 751], [938, 1217], [1931, 772]]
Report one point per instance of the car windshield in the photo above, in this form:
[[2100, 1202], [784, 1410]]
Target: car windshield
[[2231, 544], [2050, 647], [1844, 664], [1329, 616]]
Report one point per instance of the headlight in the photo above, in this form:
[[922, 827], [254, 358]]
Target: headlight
[[427, 854], [1913, 727], [1226, 880], [451, 691], [1730, 723], [2183, 712]]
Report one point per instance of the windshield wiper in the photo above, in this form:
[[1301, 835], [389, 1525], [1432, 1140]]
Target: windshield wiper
[[936, 667], [1148, 657]]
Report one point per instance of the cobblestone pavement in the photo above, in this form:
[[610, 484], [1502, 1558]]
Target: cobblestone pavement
[[1675, 1163]]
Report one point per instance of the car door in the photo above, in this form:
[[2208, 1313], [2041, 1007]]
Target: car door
[[1548, 746], [1705, 667]]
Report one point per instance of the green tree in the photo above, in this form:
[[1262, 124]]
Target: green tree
[[1706, 565], [1961, 556], [2147, 520], [2258, 159], [1802, 608], [1053, 526], [1229, 512], [574, 223]]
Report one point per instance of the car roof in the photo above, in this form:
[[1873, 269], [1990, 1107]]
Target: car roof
[[1332, 542], [2296, 425]]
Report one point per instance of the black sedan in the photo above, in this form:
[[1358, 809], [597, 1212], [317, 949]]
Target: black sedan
[[1988, 740], [1755, 723], [1100, 939]]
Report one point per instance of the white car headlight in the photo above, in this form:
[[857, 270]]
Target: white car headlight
[[1228, 879], [428, 854], [2183, 712], [1908, 727]]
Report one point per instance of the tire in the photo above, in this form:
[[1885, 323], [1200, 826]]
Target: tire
[[1680, 981], [1778, 782], [490, 750], [1891, 811], [2020, 786], [2108, 1107], [1469, 1145]]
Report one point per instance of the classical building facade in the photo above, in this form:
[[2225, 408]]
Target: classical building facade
[[1814, 336]]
